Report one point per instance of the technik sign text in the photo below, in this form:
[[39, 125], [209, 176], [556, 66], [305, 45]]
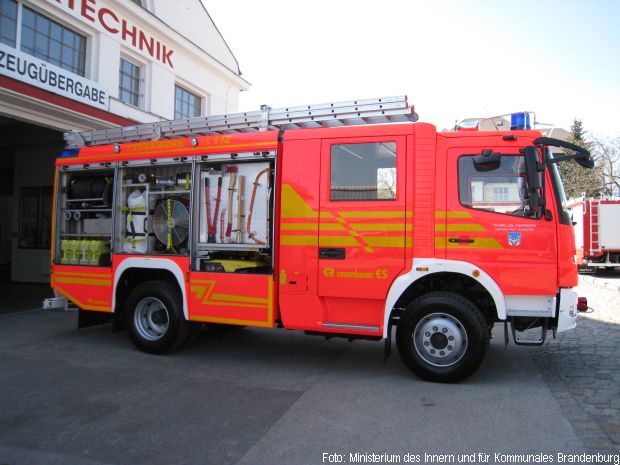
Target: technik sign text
[[110, 21], [31, 70]]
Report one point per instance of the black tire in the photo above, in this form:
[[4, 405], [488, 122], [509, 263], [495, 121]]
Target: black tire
[[154, 317], [428, 327]]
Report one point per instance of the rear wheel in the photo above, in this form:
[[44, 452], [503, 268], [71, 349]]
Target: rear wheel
[[442, 337], [155, 318]]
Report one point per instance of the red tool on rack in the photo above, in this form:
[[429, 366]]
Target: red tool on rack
[[212, 221]]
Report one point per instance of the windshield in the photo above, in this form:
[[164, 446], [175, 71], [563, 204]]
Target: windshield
[[558, 187]]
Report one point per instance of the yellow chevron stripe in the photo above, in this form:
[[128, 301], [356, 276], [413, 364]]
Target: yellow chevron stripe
[[235, 301], [293, 206]]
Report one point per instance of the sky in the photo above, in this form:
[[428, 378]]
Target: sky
[[453, 59]]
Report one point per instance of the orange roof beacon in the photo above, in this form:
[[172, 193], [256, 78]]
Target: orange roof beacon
[[345, 219]]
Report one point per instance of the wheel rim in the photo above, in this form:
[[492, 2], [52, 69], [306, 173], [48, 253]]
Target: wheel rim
[[440, 339], [151, 318]]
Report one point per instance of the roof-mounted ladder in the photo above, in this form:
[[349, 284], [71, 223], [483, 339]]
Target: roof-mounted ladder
[[349, 113]]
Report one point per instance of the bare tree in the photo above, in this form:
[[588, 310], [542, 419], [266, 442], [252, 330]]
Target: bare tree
[[577, 179], [607, 155], [386, 183]]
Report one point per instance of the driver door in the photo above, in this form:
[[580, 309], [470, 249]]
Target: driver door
[[486, 223]]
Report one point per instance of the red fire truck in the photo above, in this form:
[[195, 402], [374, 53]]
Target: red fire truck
[[345, 219], [597, 222]]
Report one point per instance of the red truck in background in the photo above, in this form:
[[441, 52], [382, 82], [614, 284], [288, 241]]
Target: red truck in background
[[340, 220], [597, 232]]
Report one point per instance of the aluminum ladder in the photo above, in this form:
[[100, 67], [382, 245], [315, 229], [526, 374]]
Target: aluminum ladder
[[347, 113]]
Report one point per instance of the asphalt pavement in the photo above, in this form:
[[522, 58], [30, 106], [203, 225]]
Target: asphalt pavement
[[254, 397]]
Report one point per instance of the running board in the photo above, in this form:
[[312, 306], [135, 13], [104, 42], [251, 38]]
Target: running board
[[369, 328]]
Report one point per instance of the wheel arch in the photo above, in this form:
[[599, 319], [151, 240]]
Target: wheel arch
[[136, 269], [461, 277]]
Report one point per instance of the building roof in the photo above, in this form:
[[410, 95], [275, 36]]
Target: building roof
[[190, 19]]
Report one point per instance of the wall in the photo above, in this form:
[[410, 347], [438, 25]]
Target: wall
[[201, 61], [33, 165]]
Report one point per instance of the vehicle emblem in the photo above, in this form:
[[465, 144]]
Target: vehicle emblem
[[514, 239]]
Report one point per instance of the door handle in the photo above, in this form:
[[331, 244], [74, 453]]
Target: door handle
[[460, 240], [331, 253]]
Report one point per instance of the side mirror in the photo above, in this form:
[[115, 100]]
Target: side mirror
[[531, 168], [585, 161], [487, 161], [533, 179], [580, 155]]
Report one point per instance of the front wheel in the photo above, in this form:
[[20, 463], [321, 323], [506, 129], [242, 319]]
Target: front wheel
[[155, 318], [442, 337]]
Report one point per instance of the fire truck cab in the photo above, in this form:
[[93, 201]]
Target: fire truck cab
[[336, 231]]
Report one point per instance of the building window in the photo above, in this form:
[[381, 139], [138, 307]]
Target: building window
[[52, 42], [186, 104], [129, 83], [363, 171], [8, 22], [500, 194], [35, 213]]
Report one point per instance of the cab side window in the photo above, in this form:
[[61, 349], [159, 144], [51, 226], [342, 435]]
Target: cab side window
[[363, 171], [500, 190]]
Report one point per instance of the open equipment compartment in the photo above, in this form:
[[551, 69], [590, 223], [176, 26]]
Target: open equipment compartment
[[233, 215], [153, 208], [84, 217]]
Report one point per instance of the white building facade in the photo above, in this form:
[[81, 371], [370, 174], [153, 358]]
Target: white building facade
[[88, 64]]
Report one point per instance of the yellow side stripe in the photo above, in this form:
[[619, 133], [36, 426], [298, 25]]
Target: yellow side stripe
[[311, 227], [222, 303], [91, 282], [444, 214], [346, 241], [378, 227], [88, 275], [299, 240], [456, 227], [298, 226], [380, 214], [239, 298]]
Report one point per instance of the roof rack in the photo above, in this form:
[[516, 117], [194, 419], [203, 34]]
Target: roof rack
[[348, 113]]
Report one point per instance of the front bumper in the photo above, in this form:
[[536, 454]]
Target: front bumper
[[567, 310]]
